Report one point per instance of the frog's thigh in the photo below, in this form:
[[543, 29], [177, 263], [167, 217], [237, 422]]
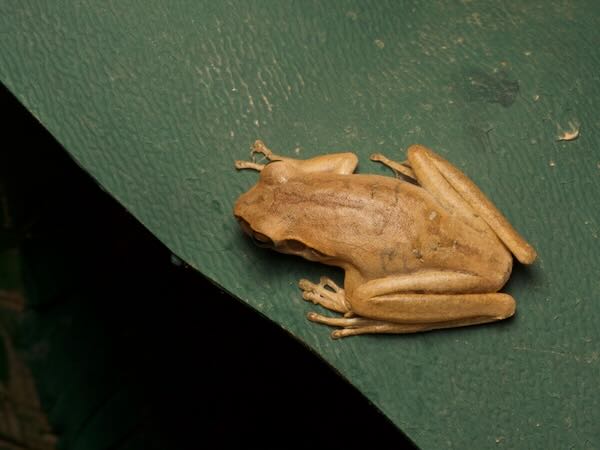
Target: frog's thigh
[[459, 194], [436, 310], [431, 281], [444, 296]]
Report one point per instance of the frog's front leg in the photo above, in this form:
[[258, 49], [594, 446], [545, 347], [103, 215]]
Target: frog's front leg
[[258, 147], [340, 163], [398, 167]]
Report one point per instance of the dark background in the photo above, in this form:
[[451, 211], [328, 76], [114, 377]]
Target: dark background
[[131, 349]]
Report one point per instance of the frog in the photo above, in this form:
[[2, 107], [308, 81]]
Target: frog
[[422, 250]]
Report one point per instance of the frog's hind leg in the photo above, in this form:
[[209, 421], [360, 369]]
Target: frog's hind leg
[[358, 325], [350, 325], [398, 167], [435, 310], [459, 194], [413, 313]]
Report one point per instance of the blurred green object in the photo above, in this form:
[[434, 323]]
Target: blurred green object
[[156, 100]]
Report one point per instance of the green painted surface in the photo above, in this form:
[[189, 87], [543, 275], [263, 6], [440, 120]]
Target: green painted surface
[[156, 102]]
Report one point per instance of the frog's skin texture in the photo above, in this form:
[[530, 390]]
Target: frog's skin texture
[[426, 253]]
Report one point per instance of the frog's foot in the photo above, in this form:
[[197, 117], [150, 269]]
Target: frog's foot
[[326, 293], [398, 167], [260, 147], [352, 326]]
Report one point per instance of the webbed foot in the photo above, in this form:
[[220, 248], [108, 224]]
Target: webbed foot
[[326, 293]]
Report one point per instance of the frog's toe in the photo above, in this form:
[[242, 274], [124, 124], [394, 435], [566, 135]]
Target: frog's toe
[[311, 297], [349, 325], [331, 321], [305, 285], [327, 282], [326, 293]]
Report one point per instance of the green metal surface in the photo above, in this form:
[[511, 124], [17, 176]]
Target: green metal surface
[[156, 100]]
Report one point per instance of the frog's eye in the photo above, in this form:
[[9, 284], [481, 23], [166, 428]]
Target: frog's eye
[[294, 245], [261, 240], [260, 237]]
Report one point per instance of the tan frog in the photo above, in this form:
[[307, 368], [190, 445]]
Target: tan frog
[[427, 252]]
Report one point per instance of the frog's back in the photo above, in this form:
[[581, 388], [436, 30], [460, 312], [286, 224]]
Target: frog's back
[[354, 217], [378, 225]]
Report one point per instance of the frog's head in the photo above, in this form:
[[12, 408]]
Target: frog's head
[[270, 230], [251, 211], [273, 223]]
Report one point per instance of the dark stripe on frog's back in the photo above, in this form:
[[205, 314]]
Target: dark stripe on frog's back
[[346, 215]]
